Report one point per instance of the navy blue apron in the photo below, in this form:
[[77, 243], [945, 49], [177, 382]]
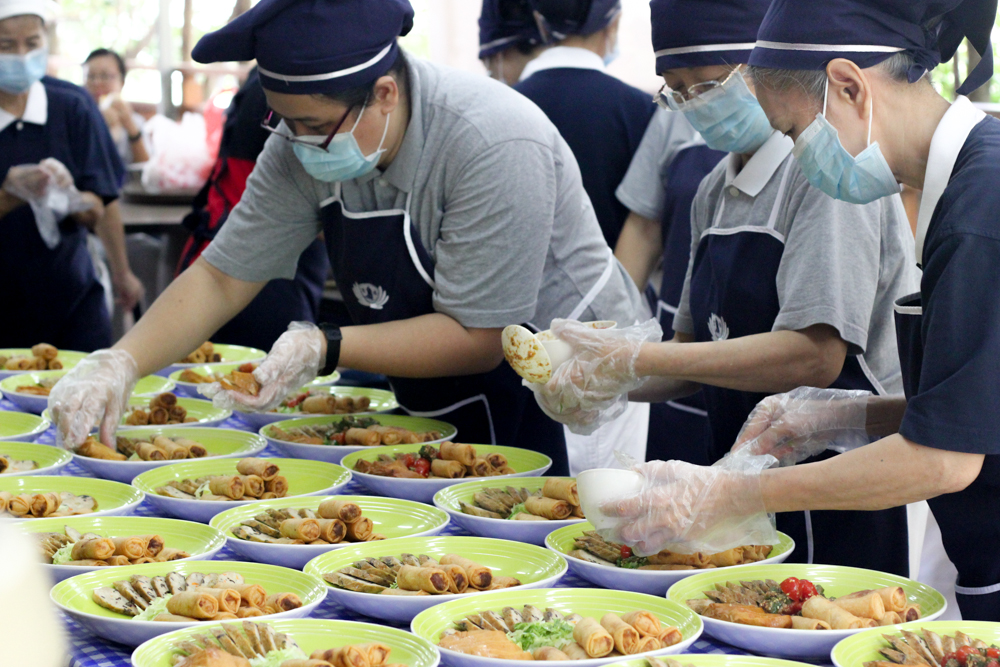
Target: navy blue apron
[[734, 294], [678, 429], [385, 275]]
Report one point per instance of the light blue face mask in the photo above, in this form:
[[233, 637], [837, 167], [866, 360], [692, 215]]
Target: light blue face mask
[[611, 55], [830, 168], [342, 160], [18, 73], [728, 117]]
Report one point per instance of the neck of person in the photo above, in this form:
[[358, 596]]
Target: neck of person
[[399, 120], [597, 42], [14, 103], [908, 120]]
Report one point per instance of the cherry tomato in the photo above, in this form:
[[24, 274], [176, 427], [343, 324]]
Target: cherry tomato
[[247, 368], [409, 460], [626, 551], [963, 653], [805, 590], [422, 466], [795, 608], [993, 663], [789, 587], [993, 653], [338, 438]]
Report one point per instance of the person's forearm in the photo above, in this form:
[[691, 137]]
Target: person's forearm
[[660, 389], [884, 415], [189, 311], [639, 248], [8, 203], [139, 153], [427, 346], [889, 473], [111, 231], [772, 362]]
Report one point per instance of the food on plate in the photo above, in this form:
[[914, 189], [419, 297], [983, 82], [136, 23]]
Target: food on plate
[[71, 547], [593, 548], [451, 461], [255, 479], [363, 431], [157, 448], [322, 402], [798, 604], [418, 575], [931, 649], [558, 500], [335, 521], [203, 355], [531, 634], [163, 410], [665, 662], [43, 357], [177, 598], [41, 505], [232, 645], [241, 379], [10, 465], [41, 388]]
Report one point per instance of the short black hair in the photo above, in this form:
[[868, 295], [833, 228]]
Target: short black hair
[[100, 53], [365, 95]]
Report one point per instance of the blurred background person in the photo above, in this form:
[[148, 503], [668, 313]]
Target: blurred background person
[[104, 76]]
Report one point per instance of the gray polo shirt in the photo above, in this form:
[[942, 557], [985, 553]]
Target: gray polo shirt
[[843, 264], [497, 200]]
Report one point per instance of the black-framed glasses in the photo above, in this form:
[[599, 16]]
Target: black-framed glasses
[[266, 124], [674, 99]]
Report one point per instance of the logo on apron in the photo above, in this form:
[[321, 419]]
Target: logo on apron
[[370, 295], [718, 327]]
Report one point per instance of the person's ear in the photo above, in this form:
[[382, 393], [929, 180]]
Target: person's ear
[[387, 94], [849, 86]]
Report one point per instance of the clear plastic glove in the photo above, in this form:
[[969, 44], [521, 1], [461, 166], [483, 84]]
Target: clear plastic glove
[[805, 422], [591, 389], [95, 391], [48, 188], [688, 509], [293, 361]]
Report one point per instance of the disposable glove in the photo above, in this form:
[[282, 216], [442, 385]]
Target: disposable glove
[[294, 360], [48, 188]]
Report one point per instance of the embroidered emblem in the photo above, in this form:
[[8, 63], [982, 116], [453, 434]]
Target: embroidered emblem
[[718, 328], [370, 295]]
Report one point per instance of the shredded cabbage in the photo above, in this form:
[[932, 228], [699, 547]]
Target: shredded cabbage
[[202, 490], [63, 555], [155, 608], [275, 658], [515, 510], [530, 636]]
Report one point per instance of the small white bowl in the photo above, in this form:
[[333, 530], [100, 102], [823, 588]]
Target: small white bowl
[[603, 485]]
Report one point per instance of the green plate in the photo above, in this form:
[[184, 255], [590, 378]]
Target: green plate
[[204, 369], [149, 385], [69, 358], [232, 354], [112, 498], [311, 635], [203, 411], [381, 400], [418, 424], [450, 498], [860, 648], [19, 425], [46, 456], [716, 660], [584, 601]]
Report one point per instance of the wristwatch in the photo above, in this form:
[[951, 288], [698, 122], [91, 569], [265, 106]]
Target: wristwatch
[[333, 338], [135, 137]]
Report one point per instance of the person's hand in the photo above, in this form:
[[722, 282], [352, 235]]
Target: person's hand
[[92, 210], [294, 360], [688, 509], [128, 291], [591, 388], [805, 422], [27, 182], [95, 391]]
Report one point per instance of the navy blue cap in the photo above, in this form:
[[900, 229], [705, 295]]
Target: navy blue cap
[[558, 19], [306, 47], [699, 33], [808, 35], [506, 23]]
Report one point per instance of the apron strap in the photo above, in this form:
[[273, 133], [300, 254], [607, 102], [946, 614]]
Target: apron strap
[[461, 404], [411, 246], [596, 289]]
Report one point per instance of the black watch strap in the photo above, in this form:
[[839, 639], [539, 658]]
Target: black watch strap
[[333, 338], [135, 137]]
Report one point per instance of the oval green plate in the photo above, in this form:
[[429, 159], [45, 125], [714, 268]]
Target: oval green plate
[[150, 385], [716, 660], [534, 566], [74, 595], [113, 499], [391, 517], [69, 358], [858, 649], [588, 602], [191, 388], [199, 540], [799, 644], [305, 478], [381, 401], [525, 462], [311, 634], [50, 459], [220, 443], [21, 426], [206, 413]]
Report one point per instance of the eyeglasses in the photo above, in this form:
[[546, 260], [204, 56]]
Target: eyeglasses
[[266, 124], [675, 100], [101, 77]]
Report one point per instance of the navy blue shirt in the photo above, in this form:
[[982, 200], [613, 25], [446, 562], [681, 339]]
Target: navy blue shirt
[[603, 120], [53, 295], [954, 406]]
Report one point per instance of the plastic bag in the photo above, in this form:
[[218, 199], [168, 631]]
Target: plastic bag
[[179, 157], [48, 188]]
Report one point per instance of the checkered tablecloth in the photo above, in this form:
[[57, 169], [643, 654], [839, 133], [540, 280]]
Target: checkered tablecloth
[[87, 650]]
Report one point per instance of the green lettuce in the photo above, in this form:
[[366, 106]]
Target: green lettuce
[[530, 636], [155, 608], [275, 658]]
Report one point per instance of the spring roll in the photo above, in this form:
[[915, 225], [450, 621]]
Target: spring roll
[[305, 662], [119, 561], [893, 598], [595, 640], [575, 651], [130, 547], [911, 613], [645, 623], [429, 579], [147, 451], [351, 656], [319, 405], [44, 504], [173, 618], [249, 612], [154, 545], [228, 486], [480, 577], [277, 485], [458, 583], [447, 469], [625, 636], [890, 618], [5, 498], [560, 489], [549, 653], [228, 599], [481, 468], [647, 644], [173, 451], [819, 607], [670, 636], [332, 531], [360, 530], [253, 595], [253, 486], [283, 601], [20, 505], [225, 616], [378, 653], [387, 435], [556, 510], [95, 548], [44, 351], [747, 615], [801, 623], [300, 529], [504, 582], [165, 400], [727, 558], [260, 467], [170, 553], [196, 450], [95, 449], [863, 604], [158, 416], [362, 436], [464, 454], [193, 604], [337, 508]]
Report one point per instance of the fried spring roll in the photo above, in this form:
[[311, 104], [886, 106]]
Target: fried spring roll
[[228, 486], [332, 531], [575, 651], [283, 601], [147, 451], [549, 653], [387, 435], [20, 505], [863, 604], [447, 469], [95, 548], [360, 530], [823, 609], [260, 467], [645, 623], [174, 451], [154, 545], [464, 454], [458, 582], [194, 604], [96, 449], [196, 450], [555, 510], [249, 612], [595, 640], [429, 579], [625, 636], [173, 618], [647, 644], [130, 547], [561, 489], [252, 594], [277, 485], [253, 485], [228, 599], [301, 529], [337, 508], [801, 623], [893, 598], [5, 498], [362, 436], [44, 504], [890, 618]]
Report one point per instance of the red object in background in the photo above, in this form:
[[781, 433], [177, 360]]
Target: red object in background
[[215, 119]]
